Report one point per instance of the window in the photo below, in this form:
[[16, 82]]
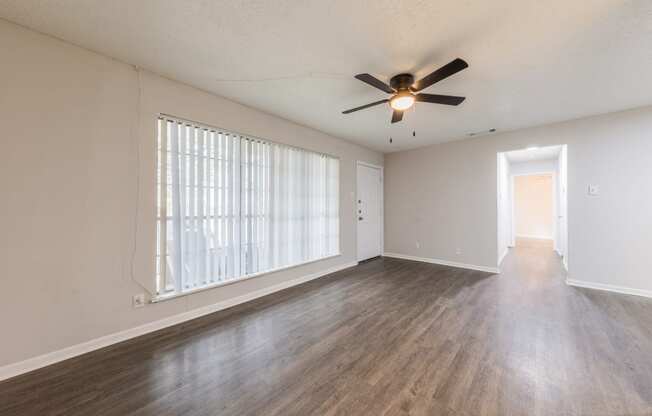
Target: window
[[231, 206]]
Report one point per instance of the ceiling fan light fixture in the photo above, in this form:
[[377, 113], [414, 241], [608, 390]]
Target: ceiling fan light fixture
[[402, 89], [402, 101]]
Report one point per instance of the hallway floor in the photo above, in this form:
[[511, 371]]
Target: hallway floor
[[387, 337]]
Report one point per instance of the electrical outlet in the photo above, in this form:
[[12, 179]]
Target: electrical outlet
[[417, 244], [139, 300]]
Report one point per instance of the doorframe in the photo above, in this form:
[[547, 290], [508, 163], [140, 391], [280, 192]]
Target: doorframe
[[560, 181], [381, 207]]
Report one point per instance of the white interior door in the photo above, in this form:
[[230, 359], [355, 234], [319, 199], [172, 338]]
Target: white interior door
[[369, 211]]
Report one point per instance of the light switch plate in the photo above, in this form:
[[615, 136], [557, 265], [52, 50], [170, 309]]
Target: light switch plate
[[594, 190]]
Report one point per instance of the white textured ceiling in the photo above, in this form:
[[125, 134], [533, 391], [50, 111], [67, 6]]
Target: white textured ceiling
[[530, 154], [531, 62]]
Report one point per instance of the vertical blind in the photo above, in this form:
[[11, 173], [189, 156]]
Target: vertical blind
[[230, 206]]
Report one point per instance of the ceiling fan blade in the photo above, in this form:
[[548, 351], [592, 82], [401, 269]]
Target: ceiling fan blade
[[362, 107], [375, 82], [397, 116], [445, 71], [439, 99]]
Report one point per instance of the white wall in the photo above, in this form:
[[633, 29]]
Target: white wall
[[444, 196], [72, 122], [533, 206]]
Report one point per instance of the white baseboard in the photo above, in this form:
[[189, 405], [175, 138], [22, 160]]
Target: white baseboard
[[443, 262], [609, 288], [12, 370], [534, 237]]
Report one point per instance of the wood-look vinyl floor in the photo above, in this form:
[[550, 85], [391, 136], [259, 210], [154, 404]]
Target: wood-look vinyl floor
[[388, 337]]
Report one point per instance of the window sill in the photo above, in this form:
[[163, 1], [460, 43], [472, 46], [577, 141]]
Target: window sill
[[161, 298]]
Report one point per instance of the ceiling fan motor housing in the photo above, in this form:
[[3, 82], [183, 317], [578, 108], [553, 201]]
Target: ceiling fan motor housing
[[401, 81]]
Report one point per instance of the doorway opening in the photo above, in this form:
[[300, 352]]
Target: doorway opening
[[533, 209], [532, 200]]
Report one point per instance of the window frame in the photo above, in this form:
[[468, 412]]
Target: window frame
[[161, 212]]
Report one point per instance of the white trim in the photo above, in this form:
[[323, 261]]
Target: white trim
[[382, 205], [502, 256], [172, 295], [609, 288], [371, 165], [535, 173], [535, 237], [555, 208], [12, 370], [512, 188], [443, 262]]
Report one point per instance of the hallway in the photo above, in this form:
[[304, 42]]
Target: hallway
[[387, 337], [578, 351]]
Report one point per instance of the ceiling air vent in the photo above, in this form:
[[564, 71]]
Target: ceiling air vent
[[480, 133]]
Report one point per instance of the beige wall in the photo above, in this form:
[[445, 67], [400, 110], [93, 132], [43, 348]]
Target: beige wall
[[444, 196], [72, 122], [533, 206]]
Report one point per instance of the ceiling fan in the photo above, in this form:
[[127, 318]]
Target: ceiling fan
[[403, 89]]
